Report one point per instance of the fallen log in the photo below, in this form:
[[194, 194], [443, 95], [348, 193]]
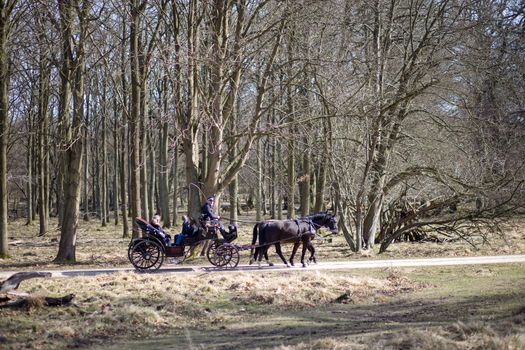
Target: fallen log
[[47, 301], [14, 281]]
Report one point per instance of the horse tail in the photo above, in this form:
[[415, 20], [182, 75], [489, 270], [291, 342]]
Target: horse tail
[[254, 240], [254, 237]]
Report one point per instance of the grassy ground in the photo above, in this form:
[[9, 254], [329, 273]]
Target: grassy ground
[[467, 307]]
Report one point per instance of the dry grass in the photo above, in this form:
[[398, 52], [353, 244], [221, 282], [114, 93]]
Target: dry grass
[[110, 306], [392, 309]]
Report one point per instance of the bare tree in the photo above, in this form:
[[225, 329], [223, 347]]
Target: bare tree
[[79, 27], [9, 14]]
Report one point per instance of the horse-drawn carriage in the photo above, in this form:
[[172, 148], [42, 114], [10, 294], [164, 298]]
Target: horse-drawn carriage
[[149, 252]]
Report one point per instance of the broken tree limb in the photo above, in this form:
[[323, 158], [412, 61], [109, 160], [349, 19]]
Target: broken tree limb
[[65, 300], [32, 302], [14, 281]]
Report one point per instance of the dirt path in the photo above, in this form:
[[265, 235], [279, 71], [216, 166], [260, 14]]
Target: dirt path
[[500, 259]]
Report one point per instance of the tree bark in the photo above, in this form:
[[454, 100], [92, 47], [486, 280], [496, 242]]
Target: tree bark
[[104, 161], [116, 148], [134, 121], [29, 161], [164, 166], [5, 13], [259, 183], [43, 152], [67, 244], [123, 137]]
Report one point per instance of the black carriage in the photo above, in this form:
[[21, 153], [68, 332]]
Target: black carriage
[[148, 253]]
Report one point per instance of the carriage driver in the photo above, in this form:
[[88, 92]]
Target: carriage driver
[[208, 214]]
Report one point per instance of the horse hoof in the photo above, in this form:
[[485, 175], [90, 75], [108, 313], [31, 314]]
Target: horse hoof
[[270, 263], [288, 265], [304, 265], [251, 261]]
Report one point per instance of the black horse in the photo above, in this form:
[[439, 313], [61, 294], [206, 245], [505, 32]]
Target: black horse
[[294, 232]]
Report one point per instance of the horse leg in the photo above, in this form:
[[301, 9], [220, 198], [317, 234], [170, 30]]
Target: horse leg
[[312, 253], [263, 251], [294, 250], [305, 245], [253, 258], [280, 253], [266, 257]]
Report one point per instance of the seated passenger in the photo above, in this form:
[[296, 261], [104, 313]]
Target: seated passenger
[[155, 222], [187, 231]]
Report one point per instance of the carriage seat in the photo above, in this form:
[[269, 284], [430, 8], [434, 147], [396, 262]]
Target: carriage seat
[[148, 229]]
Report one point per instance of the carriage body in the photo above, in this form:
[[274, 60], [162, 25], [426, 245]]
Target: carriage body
[[148, 253]]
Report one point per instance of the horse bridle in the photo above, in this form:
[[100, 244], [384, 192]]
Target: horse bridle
[[317, 226]]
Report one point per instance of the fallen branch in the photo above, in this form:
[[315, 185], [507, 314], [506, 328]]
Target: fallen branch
[[47, 301], [24, 299], [14, 281]]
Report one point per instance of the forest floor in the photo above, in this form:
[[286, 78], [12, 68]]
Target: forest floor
[[463, 307]]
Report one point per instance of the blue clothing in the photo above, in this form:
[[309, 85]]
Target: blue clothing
[[163, 233], [187, 231], [207, 212]]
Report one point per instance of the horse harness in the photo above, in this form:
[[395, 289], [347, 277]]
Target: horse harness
[[311, 228]]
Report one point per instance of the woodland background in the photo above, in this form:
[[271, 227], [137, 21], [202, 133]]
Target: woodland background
[[403, 117]]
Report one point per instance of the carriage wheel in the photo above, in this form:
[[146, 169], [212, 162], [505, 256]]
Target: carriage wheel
[[223, 255], [146, 255]]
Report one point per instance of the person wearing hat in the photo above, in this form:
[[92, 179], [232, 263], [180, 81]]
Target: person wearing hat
[[207, 213]]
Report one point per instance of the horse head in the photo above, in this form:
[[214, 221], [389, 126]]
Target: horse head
[[325, 220], [331, 223]]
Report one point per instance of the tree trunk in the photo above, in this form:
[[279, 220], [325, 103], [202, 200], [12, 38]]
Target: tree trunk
[[116, 147], [152, 178], [104, 161], [43, 153], [290, 199], [67, 244], [290, 192], [164, 170], [124, 180], [135, 120], [144, 147], [175, 180], [123, 138], [305, 183], [322, 172], [86, 162], [4, 125], [258, 184], [29, 160]]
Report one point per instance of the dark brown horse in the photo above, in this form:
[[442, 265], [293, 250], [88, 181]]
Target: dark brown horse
[[294, 232]]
